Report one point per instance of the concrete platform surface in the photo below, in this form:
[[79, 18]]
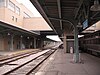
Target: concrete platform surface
[[60, 63], [7, 53]]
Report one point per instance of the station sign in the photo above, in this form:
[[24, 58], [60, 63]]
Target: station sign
[[85, 24]]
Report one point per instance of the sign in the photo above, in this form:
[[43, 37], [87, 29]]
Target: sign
[[85, 24]]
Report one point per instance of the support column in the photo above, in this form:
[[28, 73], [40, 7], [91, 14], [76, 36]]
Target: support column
[[54, 43], [34, 42], [21, 46], [11, 44], [64, 42], [41, 43], [76, 56]]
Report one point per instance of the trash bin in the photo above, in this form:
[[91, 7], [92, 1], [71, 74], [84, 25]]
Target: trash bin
[[71, 49]]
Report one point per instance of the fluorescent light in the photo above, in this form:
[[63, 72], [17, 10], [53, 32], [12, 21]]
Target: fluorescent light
[[79, 36], [53, 37]]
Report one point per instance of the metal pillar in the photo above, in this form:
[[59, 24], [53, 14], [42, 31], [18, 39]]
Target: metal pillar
[[34, 42], [11, 44], [41, 43], [64, 42], [76, 56], [21, 43]]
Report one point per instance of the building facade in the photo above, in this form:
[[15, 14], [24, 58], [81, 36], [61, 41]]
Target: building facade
[[17, 15], [13, 12]]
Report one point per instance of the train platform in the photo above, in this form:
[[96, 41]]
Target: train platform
[[60, 63]]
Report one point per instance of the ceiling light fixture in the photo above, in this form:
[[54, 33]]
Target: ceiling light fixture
[[79, 24], [96, 6], [28, 37], [8, 34], [21, 36]]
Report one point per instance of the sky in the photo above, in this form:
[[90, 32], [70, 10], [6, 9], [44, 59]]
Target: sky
[[30, 6]]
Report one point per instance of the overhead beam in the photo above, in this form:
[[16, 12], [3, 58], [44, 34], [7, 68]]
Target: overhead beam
[[95, 15], [64, 20], [84, 11], [59, 10], [5, 30], [81, 2], [97, 18], [48, 33], [61, 20]]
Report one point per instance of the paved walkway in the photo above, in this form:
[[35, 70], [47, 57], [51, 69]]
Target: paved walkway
[[60, 64]]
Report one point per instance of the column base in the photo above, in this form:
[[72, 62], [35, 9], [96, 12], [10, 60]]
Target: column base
[[74, 60]]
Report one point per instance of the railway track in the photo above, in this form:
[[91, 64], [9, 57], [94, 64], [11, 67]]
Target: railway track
[[16, 55], [14, 58], [26, 65]]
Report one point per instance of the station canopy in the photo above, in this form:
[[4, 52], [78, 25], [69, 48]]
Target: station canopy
[[63, 15]]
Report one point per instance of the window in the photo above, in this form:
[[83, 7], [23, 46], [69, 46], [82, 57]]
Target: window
[[17, 10], [16, 19], [2, 3], [26, 15], [11, 5], [13, 18]]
